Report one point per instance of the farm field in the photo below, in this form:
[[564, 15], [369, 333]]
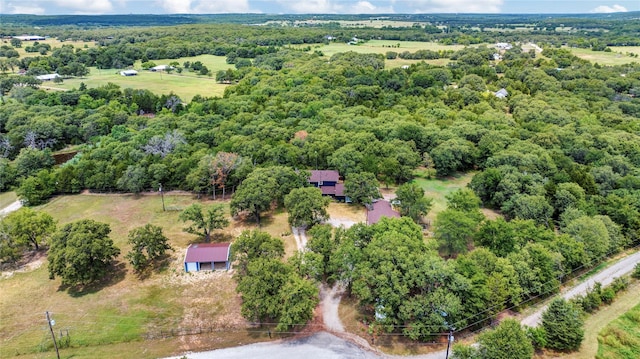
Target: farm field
[[54, 43], [607, 58], [382, 46], [186, 85], [113, 318]]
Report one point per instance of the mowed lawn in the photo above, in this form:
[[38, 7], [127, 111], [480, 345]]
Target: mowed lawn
[[113, 319], [439, 188], [608, 58], [186, 85], [383, 46]]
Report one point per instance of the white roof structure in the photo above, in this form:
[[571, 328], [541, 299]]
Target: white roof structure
[[128, 73], [29, 38], [161, 68], [47, 77], [502, 93]]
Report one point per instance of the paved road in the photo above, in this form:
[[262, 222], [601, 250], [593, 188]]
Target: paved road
[[10, 208], [318, 346], [604, 277]]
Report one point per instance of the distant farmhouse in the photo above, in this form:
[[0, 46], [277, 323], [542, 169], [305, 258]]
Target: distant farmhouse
[[129, 73], [207, 256], [329, 183], [47, 77], [30, 38], [504, 46]]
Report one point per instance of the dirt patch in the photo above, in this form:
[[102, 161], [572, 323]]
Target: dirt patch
[[31, 261]]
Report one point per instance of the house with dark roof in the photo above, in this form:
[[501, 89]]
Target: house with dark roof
[[207, 256], [378, 209], [328, 182], [320, 178]]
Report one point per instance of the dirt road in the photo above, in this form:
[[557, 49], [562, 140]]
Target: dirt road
[[10, 208]]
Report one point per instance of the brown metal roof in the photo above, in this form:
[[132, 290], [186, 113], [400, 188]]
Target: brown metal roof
[[207, 252], [380, 209], [324, 175]]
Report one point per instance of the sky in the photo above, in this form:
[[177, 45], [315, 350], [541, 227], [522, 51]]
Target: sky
[[96, 7]]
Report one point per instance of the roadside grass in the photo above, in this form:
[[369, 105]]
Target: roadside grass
[[185, 85], [113, 318], [602, 337], [6, 198], [616, 57], [621, 337]]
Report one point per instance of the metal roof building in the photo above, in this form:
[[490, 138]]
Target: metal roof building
[[207, 256]]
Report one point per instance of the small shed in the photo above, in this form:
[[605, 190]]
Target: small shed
[[379, 209], [129, 73], [207, 256], [502, 93], [47, 77], [161, 68]]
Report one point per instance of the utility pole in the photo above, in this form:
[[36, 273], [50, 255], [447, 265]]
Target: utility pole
[[52, 334], [449, 341], [162, 195]]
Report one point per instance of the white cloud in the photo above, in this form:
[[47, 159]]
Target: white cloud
[[332, 7], [86, 6], [609, 9], [449, 6], [23, 8], [222, 6], [204, 6], [176, 6]]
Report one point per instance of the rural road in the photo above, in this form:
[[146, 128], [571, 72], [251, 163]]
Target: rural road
[[10, 208], [604, 277], [301, 237]]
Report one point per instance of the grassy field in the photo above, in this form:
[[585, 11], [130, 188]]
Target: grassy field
[[439, 188], [608, 58], [185, 85], [112, 319], [6, 198], [621, 337], [382, 46], [54, 43]]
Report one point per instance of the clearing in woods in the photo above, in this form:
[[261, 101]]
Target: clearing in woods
[[112, 318]]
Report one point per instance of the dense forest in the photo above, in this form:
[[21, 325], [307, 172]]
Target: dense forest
[[558, 158]]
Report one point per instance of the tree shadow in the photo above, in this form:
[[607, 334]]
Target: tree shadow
[[115, 274], [159, 265], [221, 237]]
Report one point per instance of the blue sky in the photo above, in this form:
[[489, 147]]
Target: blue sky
[[57, 7]]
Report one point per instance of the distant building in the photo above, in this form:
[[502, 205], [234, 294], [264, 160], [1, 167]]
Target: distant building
[[161, 68], [47, 77], [378, 209], [502, 93], [207, 256], [129, 73], [30, 38], [504, 46]]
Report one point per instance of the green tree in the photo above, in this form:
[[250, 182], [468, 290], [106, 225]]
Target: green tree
[[37, 189], [10, 250], [298, 298], [454, 230], [133, 179], [204, 221], [507, 341], [306, 206], [81, 252], [413, 203], [252, 245], [30, 228], [260, 288], [564, 326], [498, 235], [361, 187], [593, 235], [148, 244]]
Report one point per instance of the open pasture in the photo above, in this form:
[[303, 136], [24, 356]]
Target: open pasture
[[616, 57]]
